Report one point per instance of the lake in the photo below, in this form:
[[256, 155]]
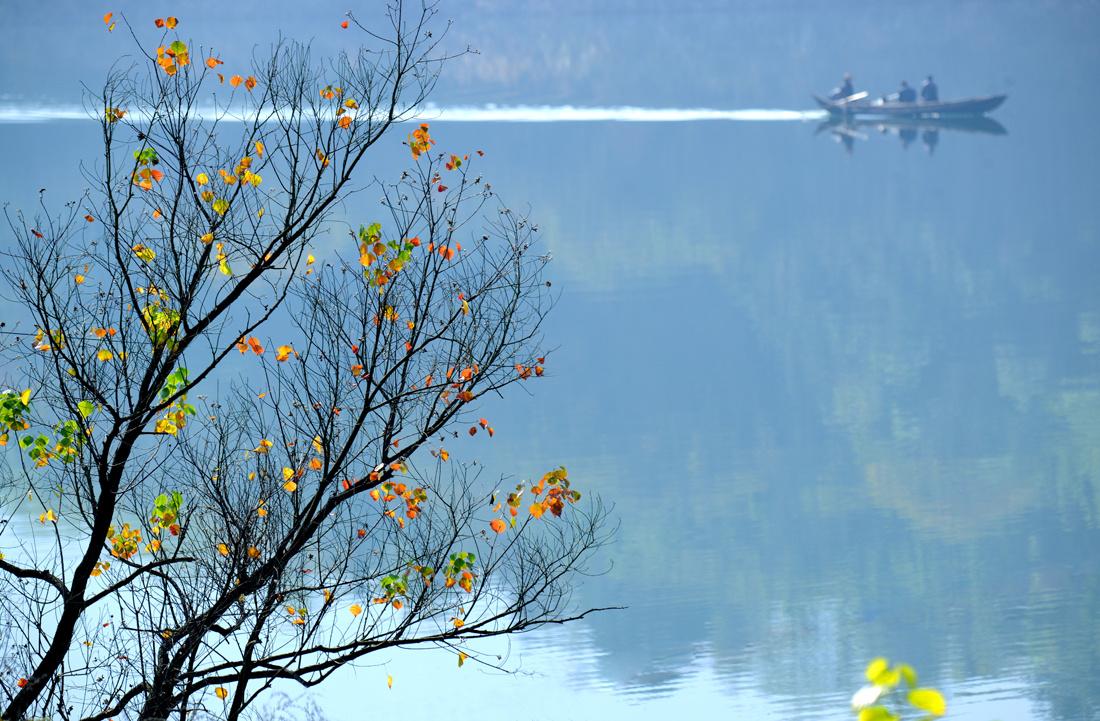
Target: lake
[[843, 388]]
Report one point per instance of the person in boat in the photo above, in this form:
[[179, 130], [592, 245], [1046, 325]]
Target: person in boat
[[929, 92], [846, 88], [905, 94]]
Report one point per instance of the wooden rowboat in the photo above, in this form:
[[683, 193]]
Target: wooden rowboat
[[859, 105]]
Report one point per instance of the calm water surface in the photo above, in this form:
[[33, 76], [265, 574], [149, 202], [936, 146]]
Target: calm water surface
[[846, 401]]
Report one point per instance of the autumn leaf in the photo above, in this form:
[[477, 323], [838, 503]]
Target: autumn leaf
[[498, 525], [223, 549], [254, 344], [236, 80], [221, 692], [389, 681], [344, 24], [259, 148], [355, 609], [89, 218], [345, 122], [212, 62], [929, 700], [144, 253], [461, 656], [249, 83], [283, 352]]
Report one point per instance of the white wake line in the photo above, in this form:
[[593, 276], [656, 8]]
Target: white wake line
[[487, 114]]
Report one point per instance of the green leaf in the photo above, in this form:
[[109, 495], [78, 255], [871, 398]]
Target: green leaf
[[86, 408], [928, 699]]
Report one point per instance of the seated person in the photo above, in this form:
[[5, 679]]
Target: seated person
[[846, 88], [929, 92], [905, 94]]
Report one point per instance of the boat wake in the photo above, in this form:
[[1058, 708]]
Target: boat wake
[[26, 113]]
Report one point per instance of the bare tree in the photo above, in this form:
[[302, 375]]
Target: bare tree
[[216, 515]]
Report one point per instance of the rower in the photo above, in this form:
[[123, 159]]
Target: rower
[[846, 88], [929, 92], [905, 94]]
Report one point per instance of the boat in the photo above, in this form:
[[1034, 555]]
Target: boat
[[858, 104]]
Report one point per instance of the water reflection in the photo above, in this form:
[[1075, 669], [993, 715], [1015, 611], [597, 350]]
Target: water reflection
[[846, 131]]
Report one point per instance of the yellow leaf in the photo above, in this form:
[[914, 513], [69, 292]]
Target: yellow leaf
[[202, 178], [283, 352], [877, 713], [253, 552], [288, 473], [104, 355], [875, 668], [290, 486], [264, 447], [144, 253], [25, 396], [259, 148], [355, 609], [221, 692], [389, 681], [223, 549], [78, 278], [461, 658], [207, 238], [928, 699]]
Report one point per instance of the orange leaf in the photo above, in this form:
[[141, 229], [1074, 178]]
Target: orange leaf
[[89, 218], [107, 18], [344, 25], [498, 525], [159, 22], [236, 80], [171, 22], [345, 122], [212, 62], [249, 83], [283, 352]]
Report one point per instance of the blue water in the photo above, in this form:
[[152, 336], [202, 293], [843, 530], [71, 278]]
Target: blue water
[[846, 400]]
